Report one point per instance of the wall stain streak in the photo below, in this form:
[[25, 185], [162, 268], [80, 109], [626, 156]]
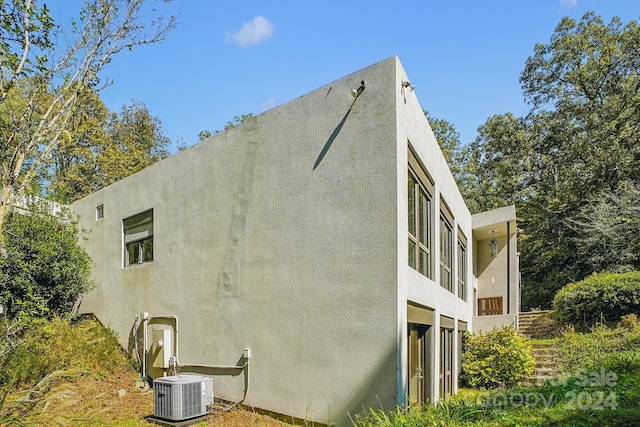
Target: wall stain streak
[[229, 283]]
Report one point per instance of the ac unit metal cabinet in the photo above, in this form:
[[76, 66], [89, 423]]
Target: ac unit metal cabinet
[[182, 397]]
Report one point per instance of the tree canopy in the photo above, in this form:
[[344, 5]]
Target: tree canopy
[[101, 148], [576, 148], [41, 82], [237, 120]]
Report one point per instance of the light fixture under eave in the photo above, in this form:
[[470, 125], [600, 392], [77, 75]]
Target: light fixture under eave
[[356, 92], [407, 85], [493, 245]]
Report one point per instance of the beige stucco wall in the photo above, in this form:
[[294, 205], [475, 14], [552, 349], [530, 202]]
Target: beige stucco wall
[[278, 236], [287, 236], [499, 276], [413, 287]]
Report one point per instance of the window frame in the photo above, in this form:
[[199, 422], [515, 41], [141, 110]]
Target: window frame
[[420, 217], [461, 270], [446, 247], [446, 362], [137, 238]]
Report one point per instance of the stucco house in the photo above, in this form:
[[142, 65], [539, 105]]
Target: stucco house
[[316, 259]]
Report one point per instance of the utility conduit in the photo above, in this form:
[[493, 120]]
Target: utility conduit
[[246, 356]]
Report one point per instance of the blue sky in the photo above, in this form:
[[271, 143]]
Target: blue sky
[[229, 58]]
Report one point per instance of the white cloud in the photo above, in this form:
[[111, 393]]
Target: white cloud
[[268, 104], [252, 32], [568, 4]]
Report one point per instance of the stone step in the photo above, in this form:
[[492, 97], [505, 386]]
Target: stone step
[[536, 380], [545, 363]]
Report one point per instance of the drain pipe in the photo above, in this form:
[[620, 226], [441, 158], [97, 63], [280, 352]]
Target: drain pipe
[[145, 325], [245, 367]]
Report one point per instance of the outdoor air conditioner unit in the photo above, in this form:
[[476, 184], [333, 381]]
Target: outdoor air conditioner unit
[[182, 397]]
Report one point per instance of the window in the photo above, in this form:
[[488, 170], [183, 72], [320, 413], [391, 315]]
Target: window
[[446, 356], [419, 211], [138, 238], [489, 306], [462, 328], [462, 266], [446, 248]]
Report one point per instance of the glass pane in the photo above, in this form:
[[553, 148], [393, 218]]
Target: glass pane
[[133, 253], [412, 205], [413, 368], [443, 245], [424, 218], [147, 249], [412, 254], [424, 262]]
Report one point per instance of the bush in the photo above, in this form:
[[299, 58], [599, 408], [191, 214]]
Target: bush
[[586, 350], [600, 297], [43, 262], [497, 358]]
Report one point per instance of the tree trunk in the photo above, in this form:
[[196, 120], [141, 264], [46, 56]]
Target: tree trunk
[[4, 204]]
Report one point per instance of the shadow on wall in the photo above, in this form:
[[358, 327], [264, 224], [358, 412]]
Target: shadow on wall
[[378, 391], [336, 131]]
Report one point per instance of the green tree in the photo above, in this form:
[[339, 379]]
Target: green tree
[[237, 120], [135, 140], [74, 171], [579, 141], [463, 164], [49, 76], [101, 148], [608, 230], [46, 269], [448, 139]]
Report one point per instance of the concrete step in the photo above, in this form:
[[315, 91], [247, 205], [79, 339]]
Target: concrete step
[[527, 322], [544, 354]]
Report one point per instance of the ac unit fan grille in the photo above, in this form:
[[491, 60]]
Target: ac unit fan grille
[[179, 401]]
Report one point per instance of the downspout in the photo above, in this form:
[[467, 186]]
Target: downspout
[[145, 323], [508, 267]]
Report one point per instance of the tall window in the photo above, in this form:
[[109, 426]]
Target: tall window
[[419, 194], [138, 238], [446, 249], [462, 266], [419, 226], [446, 362]]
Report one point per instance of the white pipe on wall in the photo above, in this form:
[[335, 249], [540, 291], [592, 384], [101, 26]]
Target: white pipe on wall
[[244, 366]]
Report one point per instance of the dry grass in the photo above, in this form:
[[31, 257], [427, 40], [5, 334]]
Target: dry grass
[[101, 392], [93, 401], [96, 402]]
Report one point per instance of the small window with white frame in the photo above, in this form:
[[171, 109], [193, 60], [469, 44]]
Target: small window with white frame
[[138, 238]]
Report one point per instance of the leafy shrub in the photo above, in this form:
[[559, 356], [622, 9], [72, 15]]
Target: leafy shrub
[[586, 350], [629, 321], [43, 262], [498, 358], [599, 297]]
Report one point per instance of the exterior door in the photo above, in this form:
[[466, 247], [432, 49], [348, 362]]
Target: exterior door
[[419, 370]]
